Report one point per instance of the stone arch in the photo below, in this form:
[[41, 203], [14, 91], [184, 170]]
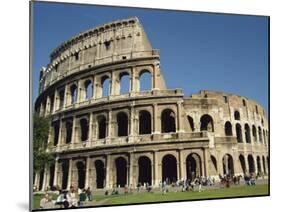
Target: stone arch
[[168, 121], [239, 133], [144, 165], [121, 171], [254, 131], [251, 163], [193, 166], [228, 129], [145, 80], [84, 129], [122, 124], [144, 122], [100, 174], [105, 85], [247, 133], [101, 126], [124, 82], [81, 174], [169, 169], [242, 163], [214, 163], [73, 93], [206, 123], [228, 165], [88, 86], [191, 123], [237, 115]]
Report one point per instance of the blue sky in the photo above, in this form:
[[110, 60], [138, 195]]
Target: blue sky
[[198, 50]]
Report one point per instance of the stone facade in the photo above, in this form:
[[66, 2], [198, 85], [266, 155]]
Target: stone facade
[[104, 138]]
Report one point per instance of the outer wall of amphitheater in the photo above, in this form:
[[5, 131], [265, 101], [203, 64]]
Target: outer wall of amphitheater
[[104, 135]]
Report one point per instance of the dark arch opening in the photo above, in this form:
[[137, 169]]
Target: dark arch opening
[[169, 169], [145, 80], [68, 126], [193, 166], [101, 127], [247, 133], [228, 128], [52, 175], [88, 89], [239, 133], [242, 163], [122, 123], [254, 133], [236, 115], [214, 162], [124, 79], [259, 164], [144, 170], [251, 164], [121, 171], [65, 168], [263, 164], [207, 123], [81, 174], [61, 98], [100, 174], [73, 91], [168, 122], [84, 126], [144, 122], [56, 128], [260, 134], [228, 167], [191, 123], [41, 174]]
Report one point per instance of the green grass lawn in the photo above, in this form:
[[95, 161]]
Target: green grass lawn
[[171, 196]]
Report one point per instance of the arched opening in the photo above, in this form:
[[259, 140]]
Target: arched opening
[[68, 126], [242, 163], [100, 174], [236, 115], [61, 99], [124, 79], [251, 163], [191, 123], [105, 84], [88, 85], [65, 168], [121, 171], [81, 171], [259, 164], [41, 179], [73, 92], [122, 123], [169, 169], [228, 166], [145, 80], [144, 170], [144, 122], [254, 133], [101, 127], [193, 166], [264, 166], [228, 128], [56, 129], [260, 134], [247, 134], [168, 122], [207, 123], [52, 175], [239, 133], [84, 129]]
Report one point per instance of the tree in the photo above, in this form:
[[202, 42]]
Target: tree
[[40, 139]]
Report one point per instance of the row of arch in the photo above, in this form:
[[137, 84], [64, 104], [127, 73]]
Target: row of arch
[[257, 133], [237, 117]]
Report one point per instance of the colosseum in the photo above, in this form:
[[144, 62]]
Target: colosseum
[[104, 138]]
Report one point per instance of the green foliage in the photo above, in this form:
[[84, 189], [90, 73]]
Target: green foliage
[[40, 139]]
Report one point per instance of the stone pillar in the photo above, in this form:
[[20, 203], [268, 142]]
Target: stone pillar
[[73, 133], [132, 124], [133, 84], [179, 117], [87, 175], [108, 183], [156, 167], [36, 180], [90, 135], [132, 174], [60, 133], [56, 172], [48, 106], [246, 165], [45, 179], [69, 178], [206, 162], [156, 128], [79, 91], [109, 126], [155, 78]]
